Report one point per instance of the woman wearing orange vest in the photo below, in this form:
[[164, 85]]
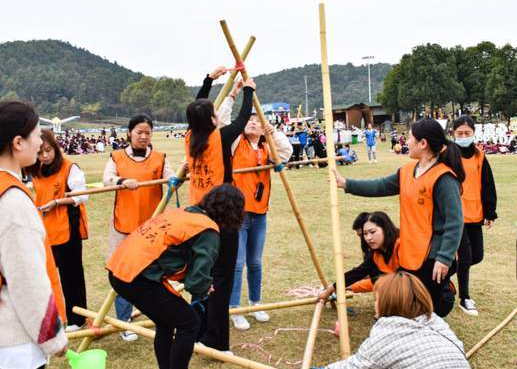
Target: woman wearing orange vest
[[251, 150], [209, 158], [431, 216], [179, 245], [30, 294], [479, 200], [133, 206], [382, 238], [65, 220]]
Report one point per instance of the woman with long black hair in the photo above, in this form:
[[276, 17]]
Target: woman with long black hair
[[479, 200], [209, 159], [431, 216]]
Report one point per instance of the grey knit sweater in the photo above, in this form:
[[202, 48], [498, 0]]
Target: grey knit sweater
[[27, 308], [400, 343]]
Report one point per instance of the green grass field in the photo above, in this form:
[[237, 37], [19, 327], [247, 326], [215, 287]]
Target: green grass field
[[287, 265]]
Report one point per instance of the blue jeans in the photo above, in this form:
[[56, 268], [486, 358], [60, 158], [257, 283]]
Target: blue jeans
[[123, 308], [252, 238]]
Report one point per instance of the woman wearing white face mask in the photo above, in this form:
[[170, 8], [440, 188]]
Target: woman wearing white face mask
[[479, 201]]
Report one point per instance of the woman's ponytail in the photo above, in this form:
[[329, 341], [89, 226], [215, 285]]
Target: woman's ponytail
[[451, 156]]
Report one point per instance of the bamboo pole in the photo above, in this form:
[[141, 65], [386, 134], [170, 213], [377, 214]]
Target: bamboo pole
[[492, 333], [274, 306], [229, 83], [98, 319], [344, 339], [311, 339], [108, 329], [199, 349], [156, 182], [276, 159]]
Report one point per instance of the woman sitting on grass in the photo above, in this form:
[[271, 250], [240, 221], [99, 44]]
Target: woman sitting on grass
[[407, 334]]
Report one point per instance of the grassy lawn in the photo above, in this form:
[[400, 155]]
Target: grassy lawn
[[287, 265]]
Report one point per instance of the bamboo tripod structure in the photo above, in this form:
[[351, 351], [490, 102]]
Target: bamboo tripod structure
[[344, 339], [277, 161]]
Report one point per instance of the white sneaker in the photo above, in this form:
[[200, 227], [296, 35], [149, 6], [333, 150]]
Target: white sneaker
[[128, 336], [469, 307], [260, 316], [72, 328], [240, 322]]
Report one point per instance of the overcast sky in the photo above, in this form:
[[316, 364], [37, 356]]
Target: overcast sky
[[183, 38]]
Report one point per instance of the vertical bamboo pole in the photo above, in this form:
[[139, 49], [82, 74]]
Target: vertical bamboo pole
[[99, 318], [229, 83], [276, 159], [311, 339], [344, 340]]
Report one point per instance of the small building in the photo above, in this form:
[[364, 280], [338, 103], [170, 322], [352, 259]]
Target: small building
[[360, 114]]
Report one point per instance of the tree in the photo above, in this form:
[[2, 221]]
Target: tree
[[501, 88], [138, 95], [481, 57], [389, 97], [11, 95]]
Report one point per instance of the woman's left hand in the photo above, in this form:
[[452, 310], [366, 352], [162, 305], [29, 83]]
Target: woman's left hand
[[269, 129], [48, 206], [489, 223], [440, 271]]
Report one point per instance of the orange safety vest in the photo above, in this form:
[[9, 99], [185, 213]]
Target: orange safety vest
[[471, 196], [56, 221], [207, 171], [416, 213], [245, 156], [7, 181], [133, 208], [142, 247]]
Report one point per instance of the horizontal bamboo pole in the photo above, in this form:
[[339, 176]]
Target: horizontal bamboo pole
[[108, 329], [311, 339], [198, 349], [492, 333], [274, 306], [156, 182]]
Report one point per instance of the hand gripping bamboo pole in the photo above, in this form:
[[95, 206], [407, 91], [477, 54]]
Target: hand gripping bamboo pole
[[311, 339], [276, 159], [229, 83], [344, 340], [198, 349], [98, 319], [491, 334]]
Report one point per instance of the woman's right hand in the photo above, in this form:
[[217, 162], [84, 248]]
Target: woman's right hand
[[237, 86], [130, 184], [217, 72], [340, 180], [250, 83], [325, 294]]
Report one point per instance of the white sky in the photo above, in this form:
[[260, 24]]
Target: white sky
[[183, 38]]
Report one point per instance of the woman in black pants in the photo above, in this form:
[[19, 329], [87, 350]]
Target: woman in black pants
[[179, 245], [479, 200], [209, 159]]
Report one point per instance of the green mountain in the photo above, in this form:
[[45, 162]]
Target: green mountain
[[59, 78], [349, 85]]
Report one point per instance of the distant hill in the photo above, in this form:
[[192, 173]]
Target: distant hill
[[349, 84], [62, 79]]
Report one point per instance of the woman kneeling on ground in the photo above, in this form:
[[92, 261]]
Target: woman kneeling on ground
[[179, 245], [382, 239], [407, 334]]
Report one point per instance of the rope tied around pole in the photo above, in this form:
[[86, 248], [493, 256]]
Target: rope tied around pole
[[279, 167], [173, 184], [238, 67], [96, 330]]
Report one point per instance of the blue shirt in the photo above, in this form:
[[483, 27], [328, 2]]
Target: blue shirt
[[371, 137], [302, 136]]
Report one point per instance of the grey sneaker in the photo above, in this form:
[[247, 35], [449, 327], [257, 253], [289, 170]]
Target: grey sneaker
[[469, 307]]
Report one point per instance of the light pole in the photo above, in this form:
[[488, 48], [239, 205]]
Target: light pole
[[306, 97], [368, 58]]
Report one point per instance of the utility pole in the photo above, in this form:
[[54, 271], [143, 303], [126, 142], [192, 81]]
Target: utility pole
[[368, 58], [306, 97]]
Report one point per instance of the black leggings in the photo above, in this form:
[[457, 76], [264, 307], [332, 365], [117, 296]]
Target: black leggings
[[470, 253], [217, 331], [177, 323], [441, 293], [69, 262]]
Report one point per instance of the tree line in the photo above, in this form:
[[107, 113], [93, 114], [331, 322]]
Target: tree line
[[480, 79]]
